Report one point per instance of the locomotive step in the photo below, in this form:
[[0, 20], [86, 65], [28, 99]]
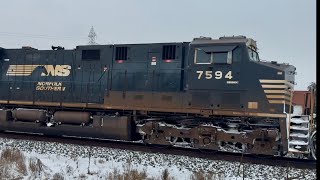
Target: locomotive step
[[297, 151], [299, 121], [297, 142], [299, 128], [300, 135]]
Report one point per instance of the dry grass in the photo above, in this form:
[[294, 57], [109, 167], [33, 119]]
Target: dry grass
[[35, 166], [82, 177], [200, 175], [166, 175], [69, 169], [128, 174], [12, 160]]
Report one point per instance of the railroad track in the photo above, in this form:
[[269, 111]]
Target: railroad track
[[137, 146]]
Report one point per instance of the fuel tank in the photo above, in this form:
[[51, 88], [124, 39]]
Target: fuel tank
[[29, 115], [5, 115], [71, 117]]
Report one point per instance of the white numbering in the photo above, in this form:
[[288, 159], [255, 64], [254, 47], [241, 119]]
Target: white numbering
[[217, 74], [200, 74], [228, 75], [208, 74]]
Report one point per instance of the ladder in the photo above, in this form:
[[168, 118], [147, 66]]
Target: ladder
[[299, 134]]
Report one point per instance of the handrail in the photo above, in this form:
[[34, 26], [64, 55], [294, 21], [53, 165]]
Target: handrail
[[312, 108]]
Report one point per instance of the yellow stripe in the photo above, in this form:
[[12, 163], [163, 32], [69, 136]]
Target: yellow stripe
[[16, 74], [3, 101], [277, 92], [278, 97], [24, 65], [18, 67], [279, 102], [29, 72], [13, 72], [274, 86], [271, 115], [272, 81], [17, 70], [21, 70], [21, 102], [276, 81]]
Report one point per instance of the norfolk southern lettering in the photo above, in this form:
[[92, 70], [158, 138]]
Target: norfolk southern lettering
[[50, 86]]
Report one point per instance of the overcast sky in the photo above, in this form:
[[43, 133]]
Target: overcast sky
[[285, 30]]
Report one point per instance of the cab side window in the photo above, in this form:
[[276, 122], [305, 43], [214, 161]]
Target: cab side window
[[222, 57], [205, 56], [202, 57]]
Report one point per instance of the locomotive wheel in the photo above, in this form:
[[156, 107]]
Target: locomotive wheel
[[194, 143], [313, 145]]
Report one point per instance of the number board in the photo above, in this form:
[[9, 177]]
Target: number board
[[214, 74]]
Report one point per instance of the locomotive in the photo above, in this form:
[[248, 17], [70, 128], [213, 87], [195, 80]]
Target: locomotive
[[209, 93]]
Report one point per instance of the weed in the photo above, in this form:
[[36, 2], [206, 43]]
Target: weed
[[128, 174], [13, 157], [82, 176], [165, 175], [69, 169], [57, 176], [35, 166]]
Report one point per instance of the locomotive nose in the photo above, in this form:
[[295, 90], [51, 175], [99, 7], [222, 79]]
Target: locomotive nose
[[287, 71]]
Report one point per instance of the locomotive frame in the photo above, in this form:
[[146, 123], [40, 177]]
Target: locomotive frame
[[207, 94]]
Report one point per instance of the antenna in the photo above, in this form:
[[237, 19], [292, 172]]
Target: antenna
[[92, 36]]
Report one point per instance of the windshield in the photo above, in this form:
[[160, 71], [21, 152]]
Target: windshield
[[253, 55]]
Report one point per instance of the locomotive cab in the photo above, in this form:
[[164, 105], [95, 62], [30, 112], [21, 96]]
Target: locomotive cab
[[227, 74]]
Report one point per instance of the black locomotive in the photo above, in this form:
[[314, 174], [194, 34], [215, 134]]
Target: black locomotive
[[208, 94]]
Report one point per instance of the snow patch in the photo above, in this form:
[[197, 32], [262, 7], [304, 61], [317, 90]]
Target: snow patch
[[76, 162]]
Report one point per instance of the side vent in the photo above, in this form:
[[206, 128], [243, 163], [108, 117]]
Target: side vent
[[169, 52], [91, 54], [121, 53]]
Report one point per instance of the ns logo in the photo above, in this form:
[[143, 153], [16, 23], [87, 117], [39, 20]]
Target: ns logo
[[59, 70], [48, 70]]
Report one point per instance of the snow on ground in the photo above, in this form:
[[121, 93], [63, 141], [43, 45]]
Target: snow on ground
[[72, 162]]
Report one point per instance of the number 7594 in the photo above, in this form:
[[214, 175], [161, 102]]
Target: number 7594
[[217, 74]]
